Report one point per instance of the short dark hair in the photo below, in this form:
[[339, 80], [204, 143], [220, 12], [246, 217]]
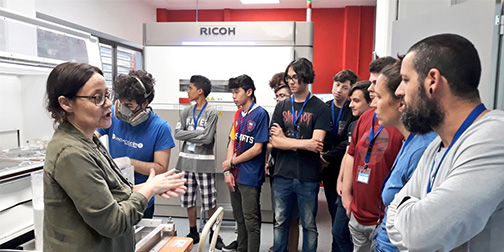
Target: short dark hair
[[377, 65], [362, 86], [243, 81], [345, 75], [277, 80], [455, 57], [127, 86], [202, 82], [304, 70], [66, 79], [393, 75]]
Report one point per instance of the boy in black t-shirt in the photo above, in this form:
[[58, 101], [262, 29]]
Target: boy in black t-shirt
[[305, 120]]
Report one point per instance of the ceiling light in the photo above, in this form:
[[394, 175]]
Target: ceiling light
[[260, 1]]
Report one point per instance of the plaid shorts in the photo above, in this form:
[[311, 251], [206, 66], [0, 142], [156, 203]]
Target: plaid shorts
[[205, 182]]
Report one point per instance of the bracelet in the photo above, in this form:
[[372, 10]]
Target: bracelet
[[227, 173], [231, 162]]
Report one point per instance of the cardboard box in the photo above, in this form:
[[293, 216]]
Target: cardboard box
[[178, 244]]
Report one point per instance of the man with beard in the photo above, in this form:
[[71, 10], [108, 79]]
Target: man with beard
[[455, 199]]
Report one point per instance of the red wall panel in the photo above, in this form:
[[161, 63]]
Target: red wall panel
[[343, 37]]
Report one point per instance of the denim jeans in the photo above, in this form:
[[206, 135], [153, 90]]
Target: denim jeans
[[306, 194], [340, 231]]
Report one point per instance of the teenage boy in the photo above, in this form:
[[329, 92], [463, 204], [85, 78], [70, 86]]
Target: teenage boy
[[136, 132], [336, 140], [369, 158], [244, 164], [196, 128], [304, 119]]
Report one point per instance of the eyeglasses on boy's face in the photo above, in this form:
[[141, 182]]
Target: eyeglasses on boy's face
[[99, 99], [281, 96], [293, 77]]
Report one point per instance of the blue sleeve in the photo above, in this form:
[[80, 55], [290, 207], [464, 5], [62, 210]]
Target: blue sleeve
[[164, 139], [412, 164], [262, 130]]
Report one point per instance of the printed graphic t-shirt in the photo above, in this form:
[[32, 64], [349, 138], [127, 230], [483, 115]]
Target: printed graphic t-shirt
[[300, 164]]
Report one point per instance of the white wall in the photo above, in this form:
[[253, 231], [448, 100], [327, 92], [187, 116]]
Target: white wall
[[121, 19], [411, 8], [25, 7]]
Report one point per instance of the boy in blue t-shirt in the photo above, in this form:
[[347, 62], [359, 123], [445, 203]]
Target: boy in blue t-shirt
[[136, 132], [244, 164]]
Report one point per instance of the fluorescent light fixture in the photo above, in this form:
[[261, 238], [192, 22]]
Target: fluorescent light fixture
[[218, 43], [260, 1]]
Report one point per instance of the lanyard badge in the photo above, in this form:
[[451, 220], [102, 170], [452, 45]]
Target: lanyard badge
[[295, 117], [467, 122], [241, 123], [365, 171]]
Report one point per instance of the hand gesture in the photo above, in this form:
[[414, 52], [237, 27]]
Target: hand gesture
[[168, 184]]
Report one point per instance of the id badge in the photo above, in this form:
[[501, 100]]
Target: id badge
[[191, 147], [363, 175]]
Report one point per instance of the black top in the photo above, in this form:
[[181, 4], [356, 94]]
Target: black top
[[300, 164], [335, 143]]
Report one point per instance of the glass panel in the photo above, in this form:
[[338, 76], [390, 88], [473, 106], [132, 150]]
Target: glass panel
[[54, 45]]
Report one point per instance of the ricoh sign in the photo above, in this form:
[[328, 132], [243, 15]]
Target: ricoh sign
[[217, 31]]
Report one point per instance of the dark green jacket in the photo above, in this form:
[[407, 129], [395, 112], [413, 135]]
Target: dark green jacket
[[87, 205]]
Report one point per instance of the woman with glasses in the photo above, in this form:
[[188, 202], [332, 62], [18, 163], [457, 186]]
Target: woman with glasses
[[88, 204]]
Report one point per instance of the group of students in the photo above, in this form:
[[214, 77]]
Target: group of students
[[409, 159]]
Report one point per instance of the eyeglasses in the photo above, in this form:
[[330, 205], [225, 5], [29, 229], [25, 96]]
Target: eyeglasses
[[281, 96], [288, 78], [99, 99]]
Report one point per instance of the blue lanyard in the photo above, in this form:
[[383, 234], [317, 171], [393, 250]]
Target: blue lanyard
[[336, 123], [294, 117], [242, 123], [399, 156], [467, 122], [194, 111], [372, 139]]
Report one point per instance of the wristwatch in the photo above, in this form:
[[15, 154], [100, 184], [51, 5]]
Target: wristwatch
[[227, 173]]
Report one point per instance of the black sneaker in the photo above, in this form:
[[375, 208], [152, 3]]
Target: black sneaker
[[219, 244], [195, 237], [231, 247]]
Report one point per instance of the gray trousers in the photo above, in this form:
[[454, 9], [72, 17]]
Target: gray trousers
[[362, 235], [247, 214]]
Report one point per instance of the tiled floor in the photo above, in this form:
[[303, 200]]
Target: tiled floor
[[227, 231]]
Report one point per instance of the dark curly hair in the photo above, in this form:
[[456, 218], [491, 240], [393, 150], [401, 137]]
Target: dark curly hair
[[127, 86], [66, 80], [277, 80]]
